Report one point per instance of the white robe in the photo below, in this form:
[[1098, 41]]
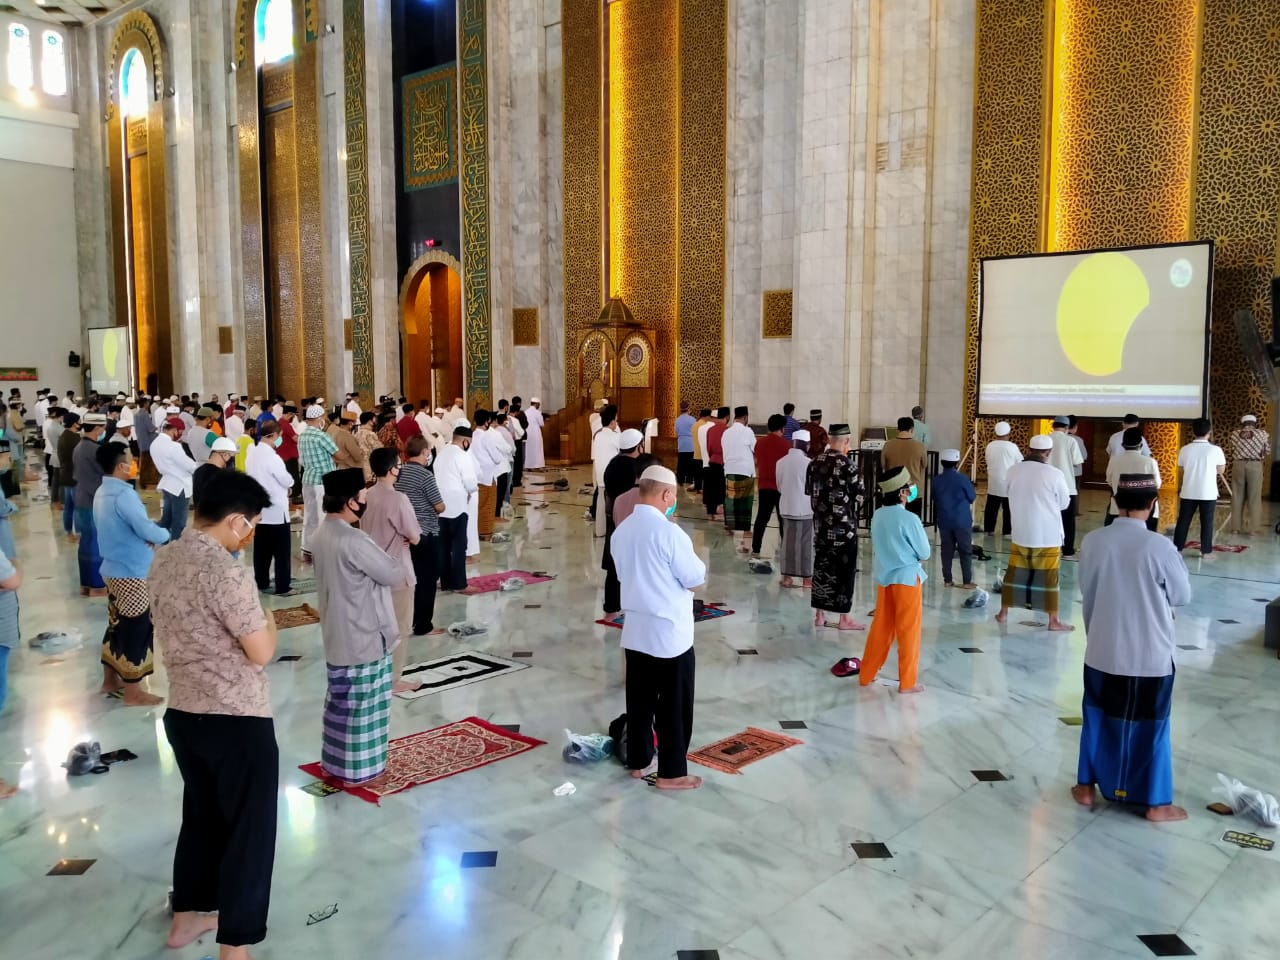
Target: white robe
[[534, 457], [604, 447], [473, 521]]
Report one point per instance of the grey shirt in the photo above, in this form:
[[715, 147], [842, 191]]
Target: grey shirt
[[86, 471], [354, 577], [1131, 579]]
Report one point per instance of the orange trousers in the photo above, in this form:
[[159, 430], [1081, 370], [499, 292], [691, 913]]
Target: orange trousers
[[898, 611]]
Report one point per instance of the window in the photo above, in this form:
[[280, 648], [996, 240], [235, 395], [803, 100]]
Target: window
[[133, 85], [20, 75], [273, 37], [53, 65]]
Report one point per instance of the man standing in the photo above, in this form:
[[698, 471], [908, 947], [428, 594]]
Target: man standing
[[316, 451], [789, 423], [454, 413], [739, 448], [700, 428], [271, 542], [1202, 464], [659, 571], [1038, 496], [1115, 445], [1066, 457], [769, 452], [199, 438], [684, 445], [88, 476], [353, 405], [391, 523], [354, 579], [619, 477], [234, 425], [222, 457], [1131, 460], [1001, 455], [920, 429], [817, 435], [52, 430], [906, 451], [407, 424], [488, 460], [66, 473], [1074, 430], [176, 470], [456, 476], [796, 512], [344, 438], [604, 447], [834, 489], [288, 449], [1131, 579], [535, 457], [713, 475], [419, 484], [145, 429], [1250, 449], [953, 496]]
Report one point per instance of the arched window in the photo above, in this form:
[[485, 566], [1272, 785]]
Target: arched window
[[53, 64], [20, 75], [273, 39], [133, 85]]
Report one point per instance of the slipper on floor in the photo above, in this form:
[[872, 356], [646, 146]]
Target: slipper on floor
[[846, 667]]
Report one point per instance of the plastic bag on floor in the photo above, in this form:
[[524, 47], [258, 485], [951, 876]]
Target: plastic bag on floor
[[511, 583], [500, 537], [978, 598], [1263, 807], [998, 583], [758, 565], [56, 641], [586, 747], [467, 628]]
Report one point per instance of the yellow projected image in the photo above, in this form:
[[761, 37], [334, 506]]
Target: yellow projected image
[[110, 352], [1098, 304]]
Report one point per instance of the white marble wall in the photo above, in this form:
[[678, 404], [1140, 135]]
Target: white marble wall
[[93, 239], [506, 187], [384, 275]]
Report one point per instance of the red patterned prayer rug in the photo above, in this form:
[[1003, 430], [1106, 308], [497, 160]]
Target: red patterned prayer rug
[[709, 612], [300, 616], [733, 753], [490, 582], [1218, 547], [435, 754]]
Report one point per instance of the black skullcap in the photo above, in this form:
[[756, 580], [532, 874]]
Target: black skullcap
[[346, 483], [739, 412]]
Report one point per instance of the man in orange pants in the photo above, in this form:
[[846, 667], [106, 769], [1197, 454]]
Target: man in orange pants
[[900, 545]]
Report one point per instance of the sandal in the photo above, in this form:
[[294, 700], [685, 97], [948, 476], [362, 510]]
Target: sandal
[[846, 667]]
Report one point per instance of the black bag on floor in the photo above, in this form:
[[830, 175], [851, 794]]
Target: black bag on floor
[[618, 733]]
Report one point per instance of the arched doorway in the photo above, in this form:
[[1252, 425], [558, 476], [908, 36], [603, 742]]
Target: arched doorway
[[431, 344]]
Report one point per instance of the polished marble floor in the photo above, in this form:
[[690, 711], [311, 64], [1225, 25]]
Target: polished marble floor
[[757, 867]]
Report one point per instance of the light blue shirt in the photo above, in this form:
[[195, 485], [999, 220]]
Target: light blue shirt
[[922, 433], [124, 531], [684, 433], [657, 567], [7, 547], [8, 606], [900, 545]]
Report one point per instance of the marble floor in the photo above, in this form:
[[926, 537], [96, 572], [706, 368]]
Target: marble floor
[[752, 867]]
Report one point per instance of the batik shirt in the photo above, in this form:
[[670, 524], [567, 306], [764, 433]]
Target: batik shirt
[[834, 487]]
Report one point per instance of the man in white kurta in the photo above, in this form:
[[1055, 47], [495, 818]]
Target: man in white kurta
[[535, 457], [1066, 457], [1001, 454], [1038, 497], [796, 509], [604, 447]]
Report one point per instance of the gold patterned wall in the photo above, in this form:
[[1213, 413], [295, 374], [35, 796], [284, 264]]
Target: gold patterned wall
[[473, 99], [581, 40], [360, 324], [429, 100], [1009, 121], [524, 326], [643, 178], [1237, 184], [775, 316], [703, 72]]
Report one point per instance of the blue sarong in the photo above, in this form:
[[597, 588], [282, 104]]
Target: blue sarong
[[1124, 742]]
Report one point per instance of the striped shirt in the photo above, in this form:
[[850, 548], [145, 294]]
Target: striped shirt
[[315, 452], [8, 607], [1257, 446], [419, 484]]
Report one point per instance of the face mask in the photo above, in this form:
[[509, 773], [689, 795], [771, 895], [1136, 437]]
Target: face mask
[[247, 538], [101, 437], [357, 508], [671, 510], [912, 493], [277, 441]]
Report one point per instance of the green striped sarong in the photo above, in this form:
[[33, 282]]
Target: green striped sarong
[[357, 721]]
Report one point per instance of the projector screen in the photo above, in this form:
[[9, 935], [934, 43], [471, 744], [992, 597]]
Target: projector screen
[[109, 360], [1096, 333]]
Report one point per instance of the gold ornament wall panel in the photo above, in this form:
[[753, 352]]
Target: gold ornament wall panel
[[775, 315], [429, 130], [474, 124], [360, 323], [524, 326]]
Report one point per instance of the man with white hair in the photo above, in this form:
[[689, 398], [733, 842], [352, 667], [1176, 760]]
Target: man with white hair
[[796, 511], [316, 452], [1250, 449], [1038, 497], [1002, 454], [659, 571], [535, 457]]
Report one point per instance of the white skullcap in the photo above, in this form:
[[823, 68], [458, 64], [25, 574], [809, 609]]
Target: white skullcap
[[1002, 429], [319, 400], [1248, 418], [950, 456], [534, 400], [315, 412], [659, 474], [126, 418], [462, 422], [1042, 441], [172, 411], [439, 411], [801, 435], [224, 445], [630, 438]]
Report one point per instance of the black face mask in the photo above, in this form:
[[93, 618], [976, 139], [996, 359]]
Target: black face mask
[[357, 508]]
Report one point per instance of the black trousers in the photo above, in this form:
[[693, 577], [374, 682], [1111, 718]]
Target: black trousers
[[660, 691], [1153, 523], [1186, 510], [425, 555], [767, 502], [272, 543], [696, 474], [517, 467], [612, 585], [226, 849], [684, 467], [52, 474], [503, 479], [957, 540], [713, 488], [453, 552], [1069, 527], [295, 471], [994, 506]]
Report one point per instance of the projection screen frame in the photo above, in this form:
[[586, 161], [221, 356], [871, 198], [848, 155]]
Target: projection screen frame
[[1208, 320]]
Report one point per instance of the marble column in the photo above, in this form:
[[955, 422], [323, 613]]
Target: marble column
[[384, 279], [93, 235], [551, 322], [505, 186]]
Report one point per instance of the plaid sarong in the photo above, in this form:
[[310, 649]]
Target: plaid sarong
[[1033, 575], [357, 720], [739, 498]]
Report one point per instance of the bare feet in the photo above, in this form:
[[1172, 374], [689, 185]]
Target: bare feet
[[1003, 615], [233, 953], [807, 583], [72, 538], [918, 688], [135, 696], [403, 686], [436, 632], [1166, 814], [1057, 626], [189, 926], [679, 783], [96, 592], [7, 790], [1084, 794], [111, 681], [969, 586], [641, 774], [848, 623], [788, 582], [819, 619], [373, 784], [948, 584]]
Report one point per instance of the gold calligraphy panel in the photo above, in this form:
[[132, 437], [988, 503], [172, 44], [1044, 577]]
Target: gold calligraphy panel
[[430, 137]]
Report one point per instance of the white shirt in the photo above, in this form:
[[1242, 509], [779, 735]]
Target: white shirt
[[1037, 496], [605, 445], [452, 416], [1065, 455], [739, 444], [594, 422], [277, 410], [1199, 461], [1001, 455], [159, 416], [354, 407], [1115, 446], [1131, 461], [174, 465], [400, 414], [487, 456], [658, 569], [52, 430], [702, 442], [1078, 469], [235, 429], [504, 447], [42, 410], [794, 503], [456, 477], [425, 424], [263, 463]]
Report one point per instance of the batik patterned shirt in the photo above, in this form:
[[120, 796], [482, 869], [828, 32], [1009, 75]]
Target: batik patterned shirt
[[834, 487]]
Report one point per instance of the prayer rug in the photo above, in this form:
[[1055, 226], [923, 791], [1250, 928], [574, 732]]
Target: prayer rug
[[492, 582], [300, 616], [709, 612], [304, 585], [733, 753], [455, 670], [1219, 547], [435, 754]]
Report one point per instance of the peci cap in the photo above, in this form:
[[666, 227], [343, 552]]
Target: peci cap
[[1132, 439], [535, 400], [1144, 482], [840, 430], [815, 414], [949, 456], [1041, 441], [1003, 429], [345, 483], [895, 480], [94, 420], [348, 416], [801, 435], [739, 412], [1248, 418], [462, 429], [630, 438], [659, 474], [721, 412], [1062, 421]]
